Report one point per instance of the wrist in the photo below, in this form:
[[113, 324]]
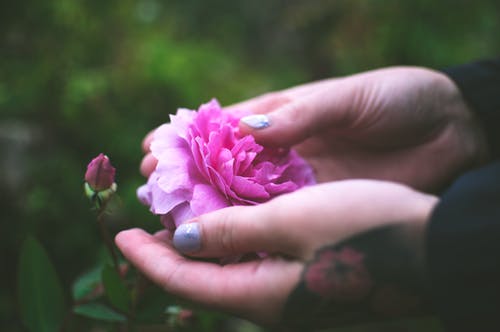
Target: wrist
[[469, 129], [479, 83]]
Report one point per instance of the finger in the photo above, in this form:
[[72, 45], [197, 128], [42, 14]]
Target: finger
[[284, 126], [293, 224], [237, 230], [148, 165], [164, 236], [146, 142], [327, 107], [307, 88], [256, 289], [261, 104], [270, 101]]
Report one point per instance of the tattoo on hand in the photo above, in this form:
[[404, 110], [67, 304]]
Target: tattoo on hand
[[370, 277]]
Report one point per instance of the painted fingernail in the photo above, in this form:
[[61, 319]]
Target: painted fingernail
[[187, 238], [256, 121]]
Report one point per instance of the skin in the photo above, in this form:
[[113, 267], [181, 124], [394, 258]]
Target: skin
[[406, 127]]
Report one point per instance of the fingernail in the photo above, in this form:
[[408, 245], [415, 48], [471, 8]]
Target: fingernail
[[187, 238], [256, 121]]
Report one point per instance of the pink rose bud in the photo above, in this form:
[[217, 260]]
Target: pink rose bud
[[186, 316], [100, 173], [179, 317], [100, 181]]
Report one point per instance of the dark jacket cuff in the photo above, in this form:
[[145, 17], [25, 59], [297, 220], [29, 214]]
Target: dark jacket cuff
[[463, 252]]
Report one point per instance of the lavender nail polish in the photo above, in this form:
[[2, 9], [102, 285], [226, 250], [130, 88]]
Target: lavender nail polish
[[256, 121], [187, 238]]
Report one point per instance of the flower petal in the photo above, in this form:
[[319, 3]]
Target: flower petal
[[182, 213], [166, 137], [181, 121], [162, 202], [246, 188], [206, 199], [176, 170], [144, 194]]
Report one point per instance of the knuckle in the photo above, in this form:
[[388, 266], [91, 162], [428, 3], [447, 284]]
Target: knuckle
[[227, 232], [268, 96], [297, 110], [272, 100]]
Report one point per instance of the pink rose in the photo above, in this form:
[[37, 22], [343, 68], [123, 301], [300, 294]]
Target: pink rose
[[204, 164]]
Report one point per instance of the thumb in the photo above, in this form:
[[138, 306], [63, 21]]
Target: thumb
[[301, 117], [229, 231]]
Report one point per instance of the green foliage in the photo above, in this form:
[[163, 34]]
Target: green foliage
[[87, 286], [116, 290], [40, 292], [151, 305], [99, 311]]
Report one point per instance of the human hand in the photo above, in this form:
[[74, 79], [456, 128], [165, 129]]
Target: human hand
[[367, 226], [403, 124]]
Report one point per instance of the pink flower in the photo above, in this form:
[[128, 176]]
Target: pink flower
[[204, 164], [100, 173]]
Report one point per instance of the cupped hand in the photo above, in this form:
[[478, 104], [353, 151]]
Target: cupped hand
[[290, 229], [403, 124]]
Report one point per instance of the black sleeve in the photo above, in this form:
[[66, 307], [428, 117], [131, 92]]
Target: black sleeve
[[479, 83], [463, 237], [463, 252]]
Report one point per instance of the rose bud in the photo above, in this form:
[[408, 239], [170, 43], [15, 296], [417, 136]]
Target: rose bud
[[100, 173], [100, 180], [179, 317]]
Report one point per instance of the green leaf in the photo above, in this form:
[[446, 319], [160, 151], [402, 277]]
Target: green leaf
[[116, 291], [151, 305], [99, 311], [85, 285], [40, 293]]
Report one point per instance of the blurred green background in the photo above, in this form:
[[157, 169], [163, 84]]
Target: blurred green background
[[82, 77]]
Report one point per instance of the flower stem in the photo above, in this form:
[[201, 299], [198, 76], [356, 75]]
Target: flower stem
[[107, 239]]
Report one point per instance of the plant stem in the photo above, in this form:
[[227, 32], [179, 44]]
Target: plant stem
[[107, 239]]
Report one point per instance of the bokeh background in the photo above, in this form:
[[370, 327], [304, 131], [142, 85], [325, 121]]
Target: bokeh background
[[82, 77]]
